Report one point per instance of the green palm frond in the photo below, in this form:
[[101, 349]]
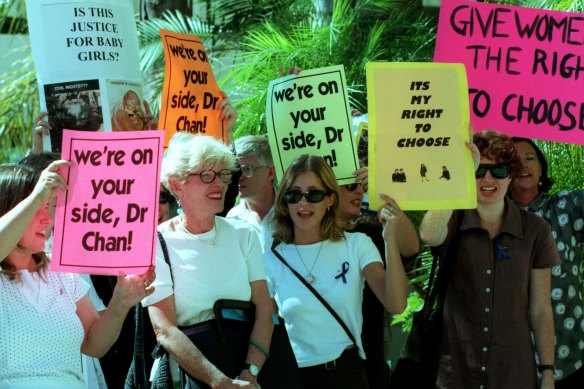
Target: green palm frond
[[19, 104], [13, 17]]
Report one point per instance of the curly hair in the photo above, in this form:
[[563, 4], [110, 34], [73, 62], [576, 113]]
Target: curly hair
[[498, 147], [187, 153], [283, 225], [17, 183]]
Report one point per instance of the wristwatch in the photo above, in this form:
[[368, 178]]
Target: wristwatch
[[253, 369]]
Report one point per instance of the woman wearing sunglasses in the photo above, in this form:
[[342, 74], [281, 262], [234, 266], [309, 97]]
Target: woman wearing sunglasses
[[499, 281], [310, 239], [374, 320], [210, 258]]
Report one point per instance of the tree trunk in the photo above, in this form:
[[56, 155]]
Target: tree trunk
[[151, 9], [323, 11]]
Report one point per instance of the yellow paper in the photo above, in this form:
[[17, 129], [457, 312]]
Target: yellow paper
[[309, 114], [418, 127]]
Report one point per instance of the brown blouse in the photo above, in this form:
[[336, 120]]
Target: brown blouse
[[487, 342]]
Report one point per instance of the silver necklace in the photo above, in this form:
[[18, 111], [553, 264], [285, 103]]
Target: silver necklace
[[310, 278], [210, 242]]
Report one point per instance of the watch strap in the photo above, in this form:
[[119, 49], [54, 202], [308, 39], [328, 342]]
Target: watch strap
[[541, 368], [254, 370]]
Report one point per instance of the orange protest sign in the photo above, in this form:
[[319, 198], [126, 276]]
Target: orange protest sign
[[190, 96]]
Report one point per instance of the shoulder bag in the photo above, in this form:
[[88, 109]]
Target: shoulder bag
[[418, 363], [225, 341]]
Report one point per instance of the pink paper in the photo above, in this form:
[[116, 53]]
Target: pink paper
[[106, 221], [533, 84]]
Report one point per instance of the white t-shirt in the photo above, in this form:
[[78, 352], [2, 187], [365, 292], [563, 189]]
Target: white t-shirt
[[315, 335], [92, 372], [40, 332], [218, 264], [263, 227]]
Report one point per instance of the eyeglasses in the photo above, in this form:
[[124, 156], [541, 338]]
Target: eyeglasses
[[164, 197], [314, 196], [497, 171], [351, 187], [247, 170], [208, 176]]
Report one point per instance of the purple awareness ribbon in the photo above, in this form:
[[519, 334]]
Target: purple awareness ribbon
[[344, 271]]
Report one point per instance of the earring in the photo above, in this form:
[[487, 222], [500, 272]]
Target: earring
[[327, 209], [539, 183]]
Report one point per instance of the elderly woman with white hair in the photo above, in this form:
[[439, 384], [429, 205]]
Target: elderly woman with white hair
[[210, 258]]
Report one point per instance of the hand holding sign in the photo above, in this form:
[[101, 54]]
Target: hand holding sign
[[50, 180], [130, 290]]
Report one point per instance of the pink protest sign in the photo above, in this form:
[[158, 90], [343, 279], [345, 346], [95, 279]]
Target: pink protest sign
[[106, 221], [525, 67]]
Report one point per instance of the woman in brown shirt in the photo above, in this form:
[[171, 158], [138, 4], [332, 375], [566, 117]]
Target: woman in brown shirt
[[500, 281]]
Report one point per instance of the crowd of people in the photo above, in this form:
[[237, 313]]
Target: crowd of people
[[513, 312]]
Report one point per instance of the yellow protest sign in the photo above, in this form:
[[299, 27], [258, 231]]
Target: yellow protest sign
[[309, 114], [418, 127], [190, 96]]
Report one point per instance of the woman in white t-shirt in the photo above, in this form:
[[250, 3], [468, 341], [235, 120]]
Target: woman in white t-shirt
[[46, 318], [309, 237], [210, 257]]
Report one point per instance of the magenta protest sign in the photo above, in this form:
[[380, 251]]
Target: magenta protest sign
[[525, 67], [106, 221]]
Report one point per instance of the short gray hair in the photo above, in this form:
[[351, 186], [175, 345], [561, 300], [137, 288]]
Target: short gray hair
[[187, 153], [254, 146]]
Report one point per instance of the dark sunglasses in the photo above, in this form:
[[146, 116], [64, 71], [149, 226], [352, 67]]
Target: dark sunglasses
[[164, 197], [351, 187], [208, 176], [497, 171], [314, 196]]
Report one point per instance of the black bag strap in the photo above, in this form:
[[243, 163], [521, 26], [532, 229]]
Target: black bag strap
[[136, 377], [165, 253], [316, 294], [438, 283]]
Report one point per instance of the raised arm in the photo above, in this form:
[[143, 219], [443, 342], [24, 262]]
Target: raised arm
[[434, 227], [229, 115], [390, 286], [41, 127], [102, 330], [407, 236], [16, 221]]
